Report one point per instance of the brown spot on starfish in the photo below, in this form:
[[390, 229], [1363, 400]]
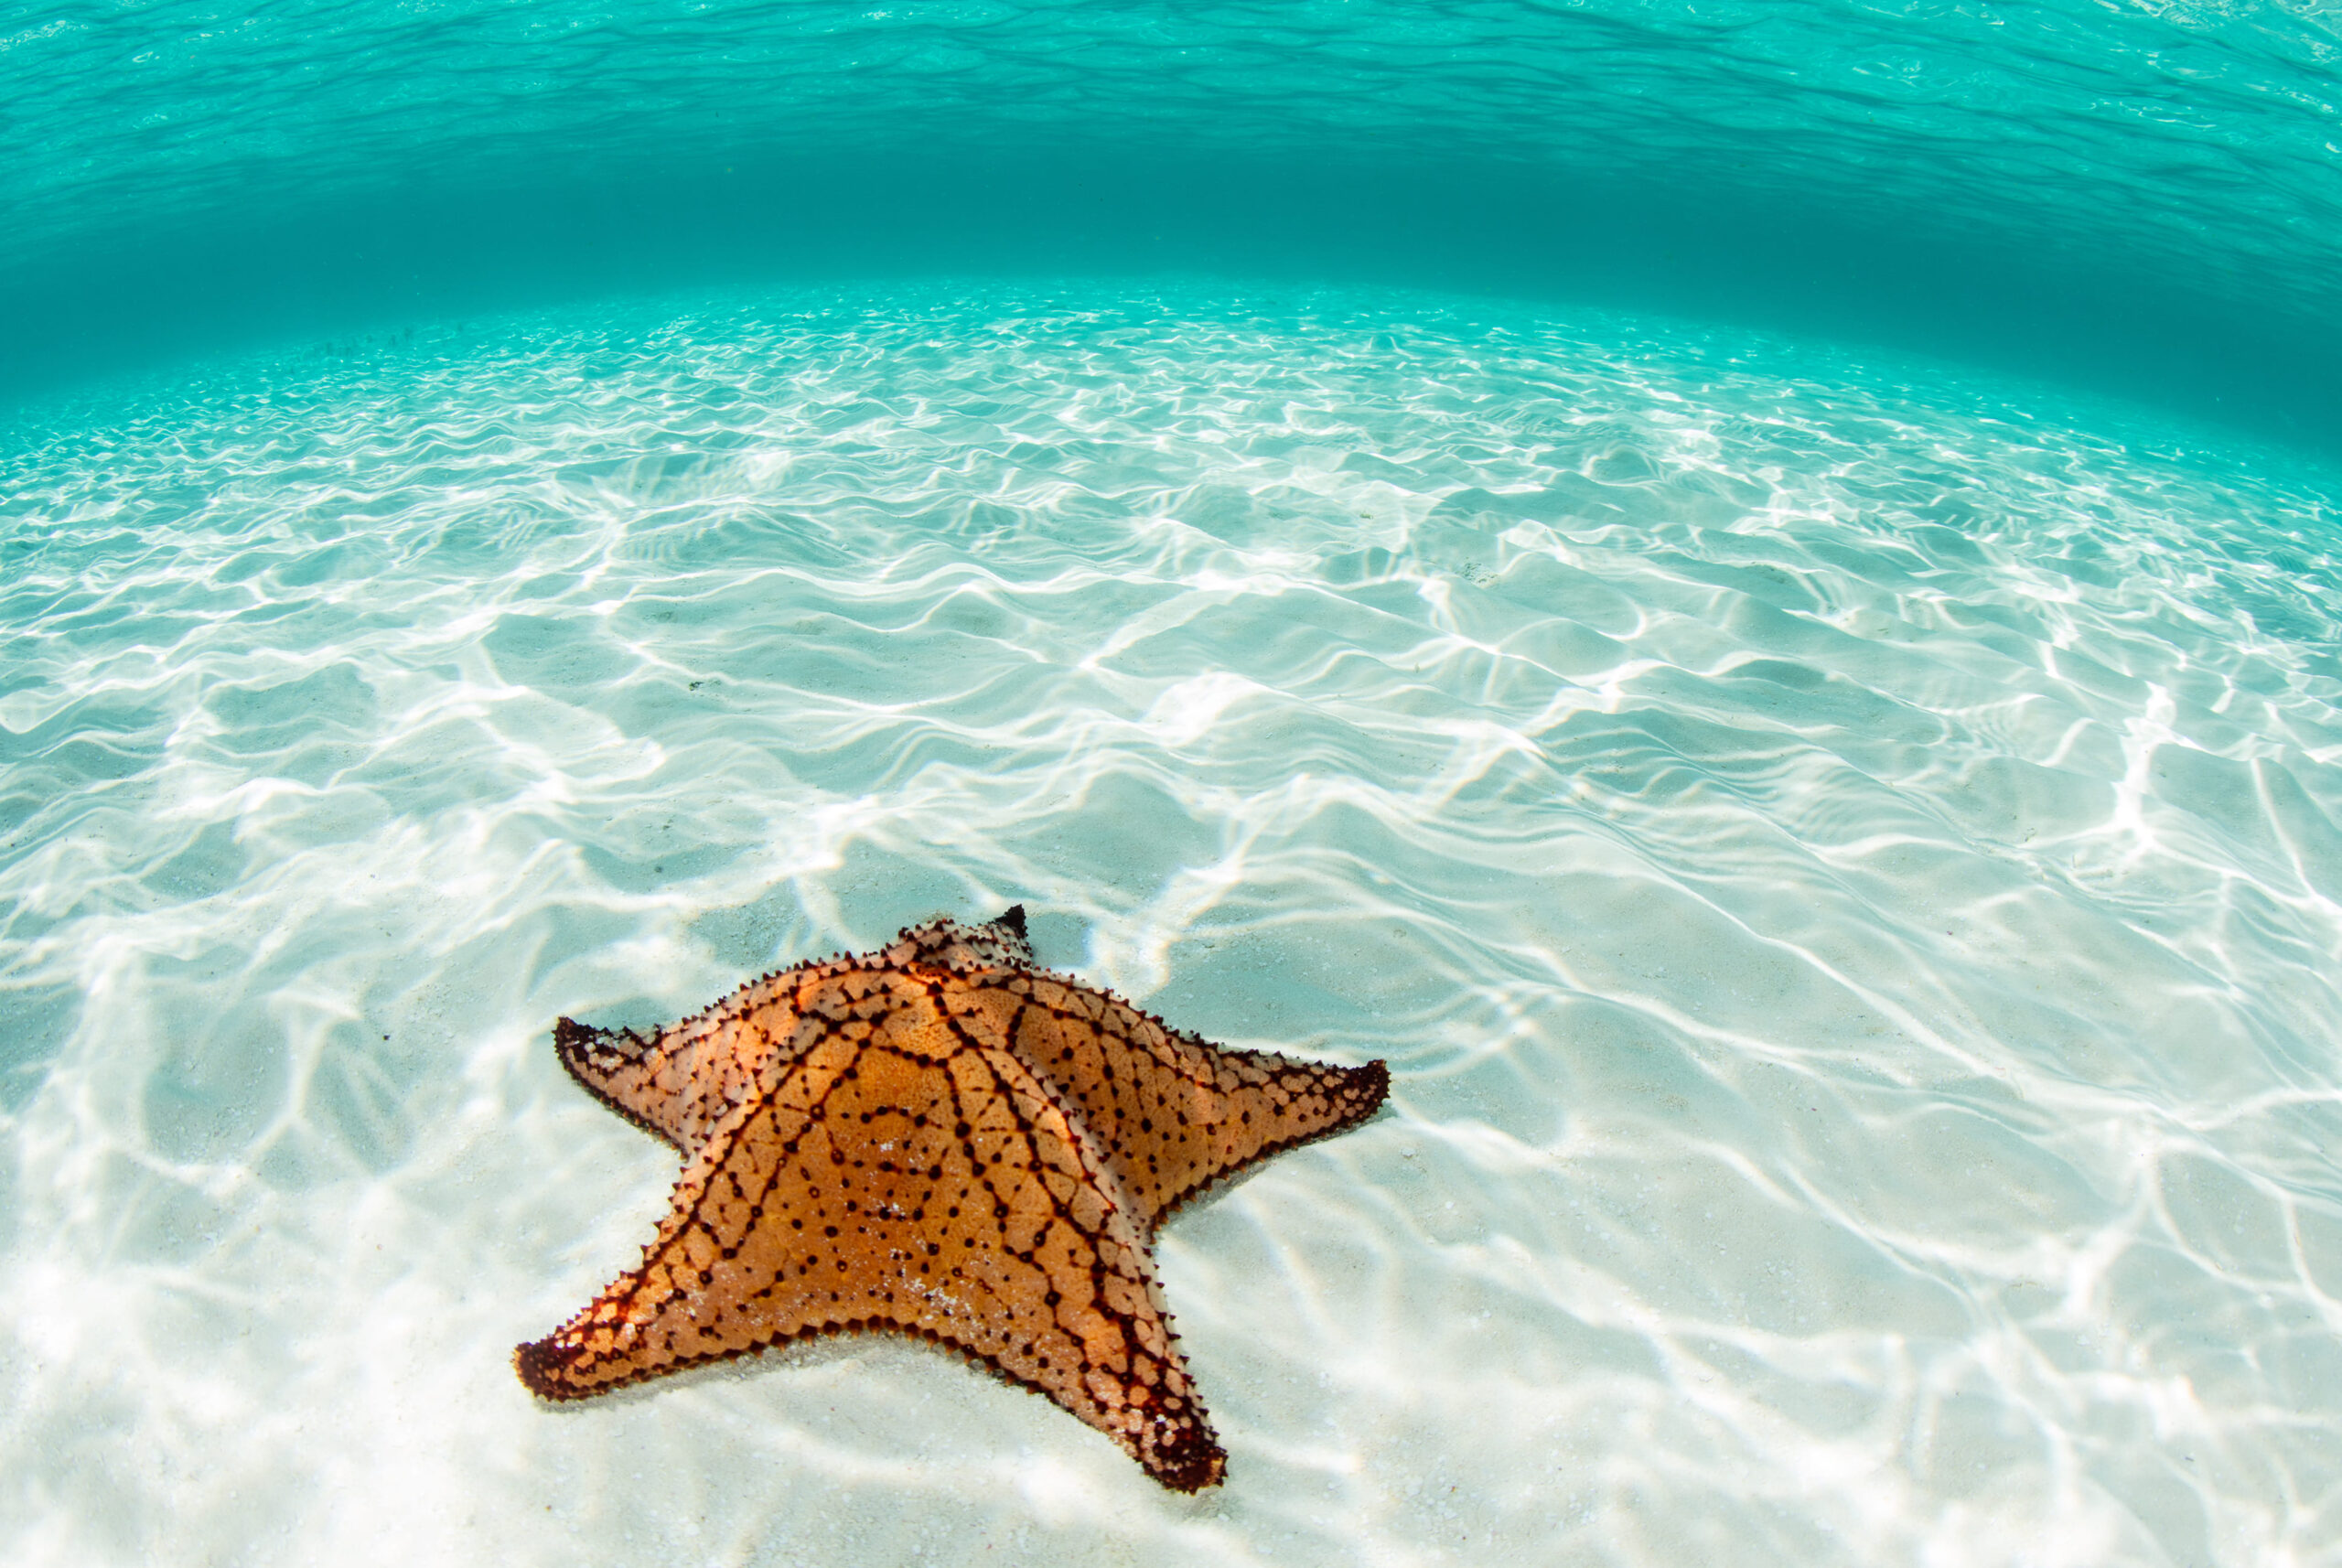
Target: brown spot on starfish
[[940, 1140]]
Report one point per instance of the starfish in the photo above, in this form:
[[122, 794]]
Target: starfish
[[942, 1140]]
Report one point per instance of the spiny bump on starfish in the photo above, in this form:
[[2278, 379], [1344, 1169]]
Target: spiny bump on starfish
[[945, 1140]]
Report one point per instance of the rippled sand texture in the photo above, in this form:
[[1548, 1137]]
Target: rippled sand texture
[[1844, 872]]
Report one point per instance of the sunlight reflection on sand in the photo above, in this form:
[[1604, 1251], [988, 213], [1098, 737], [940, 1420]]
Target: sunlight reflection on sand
[[1844, 873]]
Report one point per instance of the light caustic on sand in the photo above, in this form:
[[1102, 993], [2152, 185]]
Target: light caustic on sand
[[1844, 874]]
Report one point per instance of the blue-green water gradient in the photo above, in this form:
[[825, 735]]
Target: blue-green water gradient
[[2140, 195], [1746, 593]]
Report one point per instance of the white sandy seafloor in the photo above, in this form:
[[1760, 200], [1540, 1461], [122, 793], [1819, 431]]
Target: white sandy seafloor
[[1842, 864]]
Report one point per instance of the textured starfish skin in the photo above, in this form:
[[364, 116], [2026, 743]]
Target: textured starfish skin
[[940, 1140]]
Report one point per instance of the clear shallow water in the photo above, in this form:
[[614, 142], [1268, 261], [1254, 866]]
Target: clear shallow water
[[1842, 861], [2193, 136], [2141, 195]]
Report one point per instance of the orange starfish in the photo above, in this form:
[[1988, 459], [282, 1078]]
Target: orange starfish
[[940, 1140]]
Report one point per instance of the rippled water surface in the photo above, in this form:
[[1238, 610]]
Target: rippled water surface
[[1844, 871]]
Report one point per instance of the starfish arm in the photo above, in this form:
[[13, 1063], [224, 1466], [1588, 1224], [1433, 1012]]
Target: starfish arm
[[679, 1082], [944, 1194], [626, 1072], [1176, 1112], [998, 943]]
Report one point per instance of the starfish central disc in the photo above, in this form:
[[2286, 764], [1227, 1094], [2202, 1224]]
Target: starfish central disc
[[940, 1140]]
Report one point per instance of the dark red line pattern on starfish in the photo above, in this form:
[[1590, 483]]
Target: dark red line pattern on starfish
[[970, 1152]]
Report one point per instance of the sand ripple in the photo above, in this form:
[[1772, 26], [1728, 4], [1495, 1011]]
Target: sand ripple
[[1845, 869]]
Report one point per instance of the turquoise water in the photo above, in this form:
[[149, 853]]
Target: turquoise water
[[2139, 193], [1797, 707]]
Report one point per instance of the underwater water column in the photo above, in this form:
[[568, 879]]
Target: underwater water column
[[1746, 595]]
